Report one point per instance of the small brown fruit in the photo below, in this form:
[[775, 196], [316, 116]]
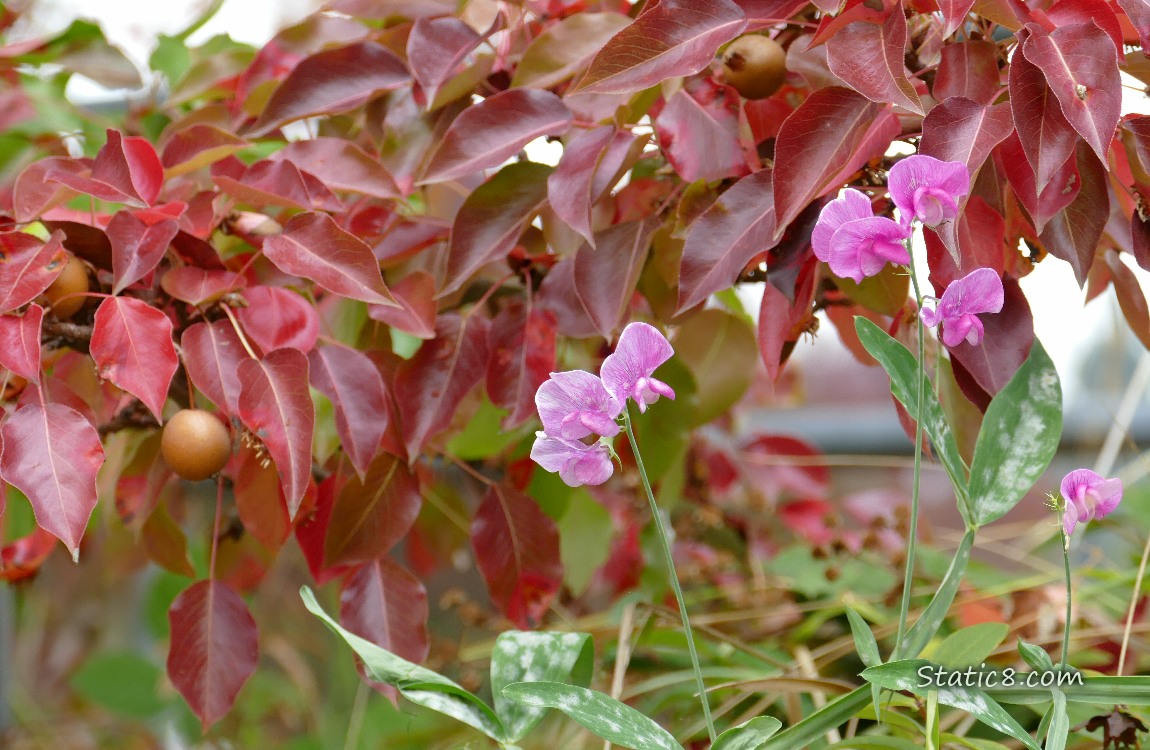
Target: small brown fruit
[[195, 444], [755, 65], [65, 295]]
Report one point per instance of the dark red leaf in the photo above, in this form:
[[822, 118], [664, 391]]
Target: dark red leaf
[[436, 47], [277, 183], [52, 454], [22, 558], [276, 318], [212, 352], [491, 132], [1100, 12], [28, 266], [132, 347], [954, 14], [311, 529], [969, 70], [1139, 15], [739, 225], [490, 221], [371, 515], [136, 247], [430, 385], [1073, 233], [1140, 240], [387, 605], [1005, 346], [869, 57], [670, 38], [197, 285], [1131, 298], [314, 247], [354, 386], [196, 146], [522, 346], [332, 81], [699, 132], [131, 166], [565, 48], [275, 404], [214, 648], [557, 295], [981, 238], [1047, 137], [415, 294], [590, 164], [20, 343], [606, 274], [260, 500], [962, 130], [1059, 193], [341, 165], [784, 318]]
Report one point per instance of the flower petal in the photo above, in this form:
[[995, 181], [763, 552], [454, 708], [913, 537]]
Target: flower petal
[[930, 316], [1109, 495], [640, 351], [576, 463], [849, 206], [1076, 483], [957, 330], [949, 179], [1069, 518], [861, 248], [980, 291], [575, 404]]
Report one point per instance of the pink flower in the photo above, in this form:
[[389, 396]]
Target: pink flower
[[628, 371], [853, 241], [576, 404], [577, 464], [927, 189], [980, 291], [1088, 496]]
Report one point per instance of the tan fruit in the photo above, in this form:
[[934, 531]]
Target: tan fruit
[[195, 444], [11, 385], [755, 65], [65, 295]]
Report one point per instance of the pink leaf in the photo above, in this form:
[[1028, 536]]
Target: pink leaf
[[277, 183], [214, 648], [590, 164], [37, 189], [606, 274], [136, 247], [212, 352], [869, 57], [954, 13], [340, 165], [331, 81], [436, 48], [415, 294], [491, 132], [699, 132], [1073, 233], [276, 318], [52, 454], [132, 347], [430, 385], [28, 266], [314, 247], [522, 355], [670, 38], [517, 549], [197, 285], [1138, 13], [353, 384], [964, 131], [20, 343], [371, 515], [970, 70], [196, 146], [387, 605], [276, 406]]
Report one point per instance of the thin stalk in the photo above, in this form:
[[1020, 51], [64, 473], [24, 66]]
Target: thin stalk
[[670, 562], [1134, 596], [1069, 589], [908, 574]]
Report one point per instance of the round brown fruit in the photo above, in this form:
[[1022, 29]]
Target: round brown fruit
[[65, 295], [755, 65], [195, 444]]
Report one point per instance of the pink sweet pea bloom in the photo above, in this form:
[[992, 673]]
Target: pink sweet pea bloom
[[980, 291], [577, 464], [854, 242], [576, 404], [628, 371], [1088, 496], [927, 189]]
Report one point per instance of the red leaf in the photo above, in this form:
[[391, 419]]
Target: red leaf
[[430, 385], [490, 221], [165, 542], [260, 501], [783, 318], [1131, 298], [196, 146], [197, 285], [131, 166], [494, 130], [136, 247], [970, 70], [1058, 194], [1140, 240], [1083, 74], [522, 346], [557, 295], [739, 225], [590, 165], [606, 274], [1139, 16], [371, 515], [1073, 233], [354, 386], [28, 266], [314, 247], [1005, 346], [22, 558], [962, 130], [415, 294], [340, 165], [954, 13], [436, 47], [275, 404], [517, 549], [699, 132], [1046, 136], [38, 188], [212, 353], [132, 346], [331, 81], [20, 343], [670, 38], [827, 132], [387, 605], [1071, 12], [277, 318], [565, 48], [277, 183], [869, 57], [214, 648], [980, 235], [52, 454], [311, 530]]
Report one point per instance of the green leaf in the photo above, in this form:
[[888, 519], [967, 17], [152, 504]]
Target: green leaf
[[865, 643], [417, 684], [535, 657], [1019, 436], [1035, 656], [721, 351], [121, 681], [582, 528], [866, 742], [750, 735], [902, 368], [483, 435], [600, 714], [932, 617], [811, 729], [906, 675], [970, 646], [1059, 723], [1102, 691]]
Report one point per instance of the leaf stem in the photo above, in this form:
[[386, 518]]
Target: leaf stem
[[1069, 589], [671, 574]]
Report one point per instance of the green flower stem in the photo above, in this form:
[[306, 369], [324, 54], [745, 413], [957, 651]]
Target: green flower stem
[[1066, 567], [912, 538], [670, 562]]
